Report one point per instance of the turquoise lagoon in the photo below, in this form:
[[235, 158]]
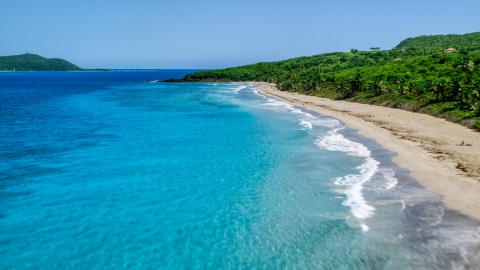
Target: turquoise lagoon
[[111, 171]]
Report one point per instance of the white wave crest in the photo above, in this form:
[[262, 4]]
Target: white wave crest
[[334, 141], [307, 120], [303, 116], [306, 124], [236, 90], [258, 93], [390, 180], [327, 122], [352, 185]]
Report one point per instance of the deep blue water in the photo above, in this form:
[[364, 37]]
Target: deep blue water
[[106, 171]]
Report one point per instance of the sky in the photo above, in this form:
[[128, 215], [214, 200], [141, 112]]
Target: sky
[[217, 34]]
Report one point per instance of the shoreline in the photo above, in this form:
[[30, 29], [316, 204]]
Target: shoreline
[[426, 146]]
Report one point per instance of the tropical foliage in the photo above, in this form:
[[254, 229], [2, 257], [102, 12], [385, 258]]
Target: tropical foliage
[[418, 74], [33, 62], [441, 41]]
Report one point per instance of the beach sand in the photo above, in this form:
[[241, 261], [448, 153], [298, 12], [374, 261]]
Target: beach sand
[[426, 146]]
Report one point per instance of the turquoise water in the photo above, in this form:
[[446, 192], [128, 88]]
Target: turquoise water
[[107, 171]]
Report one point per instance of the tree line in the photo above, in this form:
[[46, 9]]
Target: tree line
[[417, 70]]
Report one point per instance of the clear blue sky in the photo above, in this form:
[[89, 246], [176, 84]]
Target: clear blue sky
[[216, 34]]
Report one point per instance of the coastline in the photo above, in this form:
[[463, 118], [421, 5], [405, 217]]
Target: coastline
[[425, 145]]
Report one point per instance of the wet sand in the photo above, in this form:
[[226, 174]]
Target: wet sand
[[426, 146]]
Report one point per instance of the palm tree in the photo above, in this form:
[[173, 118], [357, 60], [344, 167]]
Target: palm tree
[[456, 88], [442, 88], [439, 88], [432, 87], [401, 88], [343, 89], [377, 85], [308, 84], [476, 89], [357, 84]]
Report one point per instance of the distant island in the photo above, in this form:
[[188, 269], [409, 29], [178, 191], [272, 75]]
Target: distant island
[[438, 75], [33, 62]]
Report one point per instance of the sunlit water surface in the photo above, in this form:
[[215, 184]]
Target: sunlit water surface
[[108, 171]]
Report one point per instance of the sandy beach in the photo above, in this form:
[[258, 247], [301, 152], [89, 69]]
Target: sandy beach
[[426, 146]]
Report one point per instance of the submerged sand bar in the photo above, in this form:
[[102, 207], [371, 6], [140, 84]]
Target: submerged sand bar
[[426, 146]]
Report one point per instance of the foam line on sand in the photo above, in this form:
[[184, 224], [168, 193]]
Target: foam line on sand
[[426, 145]]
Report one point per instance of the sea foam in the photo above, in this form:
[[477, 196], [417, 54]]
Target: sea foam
[[236, 90], [258, 93], [350, 185]]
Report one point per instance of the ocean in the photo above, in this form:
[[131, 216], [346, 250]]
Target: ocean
[[113, 170]]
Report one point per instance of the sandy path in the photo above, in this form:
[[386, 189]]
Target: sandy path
[[425, 145]]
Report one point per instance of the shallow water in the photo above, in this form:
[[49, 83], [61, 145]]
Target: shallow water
[[106, 171]]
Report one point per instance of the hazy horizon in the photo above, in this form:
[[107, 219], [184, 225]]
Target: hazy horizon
[[213, 34]]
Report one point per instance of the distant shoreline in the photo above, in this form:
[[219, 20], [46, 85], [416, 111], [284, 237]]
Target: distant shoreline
[[426, 146], [11, 71]]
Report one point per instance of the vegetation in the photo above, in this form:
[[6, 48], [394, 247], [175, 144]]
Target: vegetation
[[419, 75], [441, 41], [33, 62]]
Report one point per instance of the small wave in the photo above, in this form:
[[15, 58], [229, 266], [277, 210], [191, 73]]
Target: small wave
[[276, 103], [304, 116], [306, 124], [390, 180], [306, 119], [327, 122], [334, 141], [236, 90], [352, 185], [258, 93]]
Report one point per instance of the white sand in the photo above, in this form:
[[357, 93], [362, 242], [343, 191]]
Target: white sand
[[425, 145]]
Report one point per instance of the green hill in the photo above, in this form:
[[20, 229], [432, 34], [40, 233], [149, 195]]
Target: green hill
[[33, 62], [417, 75], [442, 41]]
